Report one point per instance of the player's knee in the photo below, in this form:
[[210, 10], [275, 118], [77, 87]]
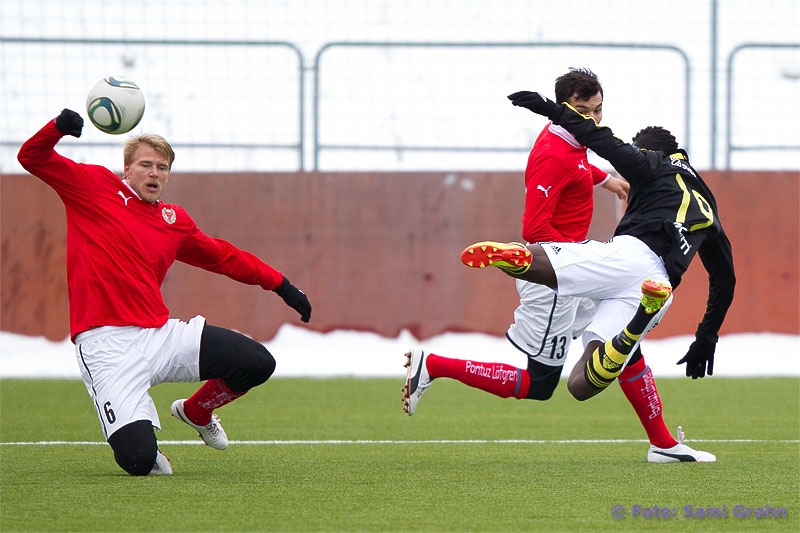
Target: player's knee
[[241, 361], [263, 366], [256, 365], [135, 447], [577, 386], [136, 462]]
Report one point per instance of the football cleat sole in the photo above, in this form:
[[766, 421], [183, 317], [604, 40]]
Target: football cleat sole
[[511, 257]]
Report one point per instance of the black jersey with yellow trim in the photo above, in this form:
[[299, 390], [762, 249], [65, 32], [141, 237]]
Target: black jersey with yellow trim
[[670, 208]]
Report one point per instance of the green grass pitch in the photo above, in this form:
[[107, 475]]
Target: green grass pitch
[[557, 480]]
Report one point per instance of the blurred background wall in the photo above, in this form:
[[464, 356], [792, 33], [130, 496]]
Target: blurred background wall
[[380, 252]]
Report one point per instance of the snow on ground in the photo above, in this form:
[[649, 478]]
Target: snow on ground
[[301, 352]]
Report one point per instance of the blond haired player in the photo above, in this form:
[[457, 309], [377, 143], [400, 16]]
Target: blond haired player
[[121, 240]]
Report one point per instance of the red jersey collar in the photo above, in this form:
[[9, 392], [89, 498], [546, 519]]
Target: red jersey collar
[[137, 194]]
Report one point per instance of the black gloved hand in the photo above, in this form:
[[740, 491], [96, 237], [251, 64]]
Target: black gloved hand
[[69, 123], [699, 359], [541, 105], [294, 298]]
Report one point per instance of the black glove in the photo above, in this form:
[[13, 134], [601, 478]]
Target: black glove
[[69, 123], [294, 298], [699, 359], [541, 105]]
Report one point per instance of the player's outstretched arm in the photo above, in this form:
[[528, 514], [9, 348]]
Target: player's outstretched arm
[[294, 298], [38, 156], [69, 123], [625, 158], [718, 261], [539, 104], [699, 359]]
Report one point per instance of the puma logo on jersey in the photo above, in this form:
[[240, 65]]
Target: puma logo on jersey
[[124, 198], [545, 191], [581, 165]]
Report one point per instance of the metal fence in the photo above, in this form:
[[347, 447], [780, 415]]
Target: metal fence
[[384, 102], [764, 120], [343, 87], [221, 115], [213, 98]]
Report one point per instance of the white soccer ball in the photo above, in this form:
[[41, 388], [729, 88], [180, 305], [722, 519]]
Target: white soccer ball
[[115, 105]]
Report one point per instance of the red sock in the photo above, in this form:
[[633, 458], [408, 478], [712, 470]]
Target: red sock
[[497, 378], [637, 382], [213, 394]]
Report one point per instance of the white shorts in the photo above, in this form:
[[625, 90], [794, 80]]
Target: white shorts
[[611, 273], [119, 364], [545, 323]]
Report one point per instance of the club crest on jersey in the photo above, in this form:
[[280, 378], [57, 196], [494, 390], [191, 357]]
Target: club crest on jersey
[[169, 215]]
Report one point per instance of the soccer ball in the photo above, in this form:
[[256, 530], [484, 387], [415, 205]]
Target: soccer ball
[[115, 105]]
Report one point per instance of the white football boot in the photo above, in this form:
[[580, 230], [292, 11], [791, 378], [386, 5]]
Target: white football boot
[[680, 453], [417, 380], [162, 466], [212, 433]]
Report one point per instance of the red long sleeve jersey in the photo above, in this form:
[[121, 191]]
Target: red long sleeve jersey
[[119, 247], [558, 188]]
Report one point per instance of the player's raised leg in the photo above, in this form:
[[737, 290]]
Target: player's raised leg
[[417, 379], [512, 257], [529, 263], [602, 362], [500, 379]]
